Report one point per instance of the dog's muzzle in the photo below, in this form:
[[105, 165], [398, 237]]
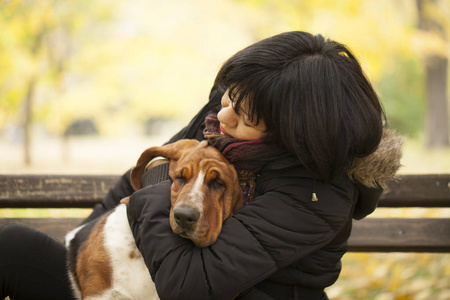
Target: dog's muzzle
[[186, 216]]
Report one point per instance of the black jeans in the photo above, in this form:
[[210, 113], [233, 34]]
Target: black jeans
[[32, 265]]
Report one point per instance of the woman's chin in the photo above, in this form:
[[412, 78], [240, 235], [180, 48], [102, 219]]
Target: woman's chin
[[223, 131]]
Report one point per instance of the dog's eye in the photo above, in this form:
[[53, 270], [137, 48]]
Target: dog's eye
[[217, 184], [180, 179]]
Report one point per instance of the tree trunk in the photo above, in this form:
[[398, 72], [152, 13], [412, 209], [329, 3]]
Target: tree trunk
[[27, 122], [437, 121], [29, 98], [437, 132]]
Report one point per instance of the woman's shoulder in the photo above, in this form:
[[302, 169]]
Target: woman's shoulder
[[287, 171], [302, 188]]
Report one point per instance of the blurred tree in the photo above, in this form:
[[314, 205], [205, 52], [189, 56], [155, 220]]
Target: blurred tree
[[385, 37], [36, 46], [434, 22], [31, 49], [403, 98], [130, 60], [114, 60]]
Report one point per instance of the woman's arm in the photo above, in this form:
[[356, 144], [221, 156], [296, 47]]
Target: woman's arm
[[273, 231], [367, 201]]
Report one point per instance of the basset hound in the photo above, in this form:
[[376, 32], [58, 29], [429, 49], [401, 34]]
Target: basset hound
[[103, 259]]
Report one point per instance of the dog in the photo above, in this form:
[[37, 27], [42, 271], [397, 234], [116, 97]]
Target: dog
[[103, 259]]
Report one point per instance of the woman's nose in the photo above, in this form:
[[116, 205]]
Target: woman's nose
[[228, 116]]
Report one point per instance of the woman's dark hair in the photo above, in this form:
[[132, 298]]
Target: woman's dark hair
[[313, 96]]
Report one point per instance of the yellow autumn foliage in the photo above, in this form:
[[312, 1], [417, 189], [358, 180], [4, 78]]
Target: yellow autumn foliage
[[120, 62]]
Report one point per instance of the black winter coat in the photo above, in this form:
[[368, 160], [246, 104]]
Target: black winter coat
[[282, 245]]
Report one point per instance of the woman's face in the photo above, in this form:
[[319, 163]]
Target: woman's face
[[238, 125]]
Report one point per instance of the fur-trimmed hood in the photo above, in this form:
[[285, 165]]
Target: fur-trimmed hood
[[381, 166], [371, 173]]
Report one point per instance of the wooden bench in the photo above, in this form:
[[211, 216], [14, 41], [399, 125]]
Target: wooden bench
[[369, 235]]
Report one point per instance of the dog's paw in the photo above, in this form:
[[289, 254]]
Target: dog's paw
[[125, 200]]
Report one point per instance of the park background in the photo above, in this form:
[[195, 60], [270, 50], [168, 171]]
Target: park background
[[87, 85]]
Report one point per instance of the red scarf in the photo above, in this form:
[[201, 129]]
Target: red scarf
[[247, 156]]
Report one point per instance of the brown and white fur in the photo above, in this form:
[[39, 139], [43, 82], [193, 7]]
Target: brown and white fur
[[103, 259]]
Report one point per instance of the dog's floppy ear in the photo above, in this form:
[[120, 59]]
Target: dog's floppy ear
[[238, 197], [172, 151]]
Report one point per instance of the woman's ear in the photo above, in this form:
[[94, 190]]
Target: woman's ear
[[171, 151]]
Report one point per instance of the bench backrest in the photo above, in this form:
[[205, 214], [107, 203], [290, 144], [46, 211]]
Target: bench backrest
[[370, 234]]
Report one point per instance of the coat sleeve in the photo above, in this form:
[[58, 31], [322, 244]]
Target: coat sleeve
[[367, 201], [271, 232]]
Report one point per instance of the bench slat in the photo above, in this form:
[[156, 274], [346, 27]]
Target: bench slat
[[372, 234], [400, 235], [53, 191], [84, 191], [418, 191], [368, 235]]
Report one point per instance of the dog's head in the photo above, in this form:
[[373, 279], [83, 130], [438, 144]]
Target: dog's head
[[205, 189]]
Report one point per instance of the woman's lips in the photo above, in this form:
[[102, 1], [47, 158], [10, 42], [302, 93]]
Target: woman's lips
[[223, 130]]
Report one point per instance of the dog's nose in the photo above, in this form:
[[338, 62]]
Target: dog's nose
[[185, 216]]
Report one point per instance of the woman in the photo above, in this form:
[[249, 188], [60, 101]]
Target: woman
[[309, 120]]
